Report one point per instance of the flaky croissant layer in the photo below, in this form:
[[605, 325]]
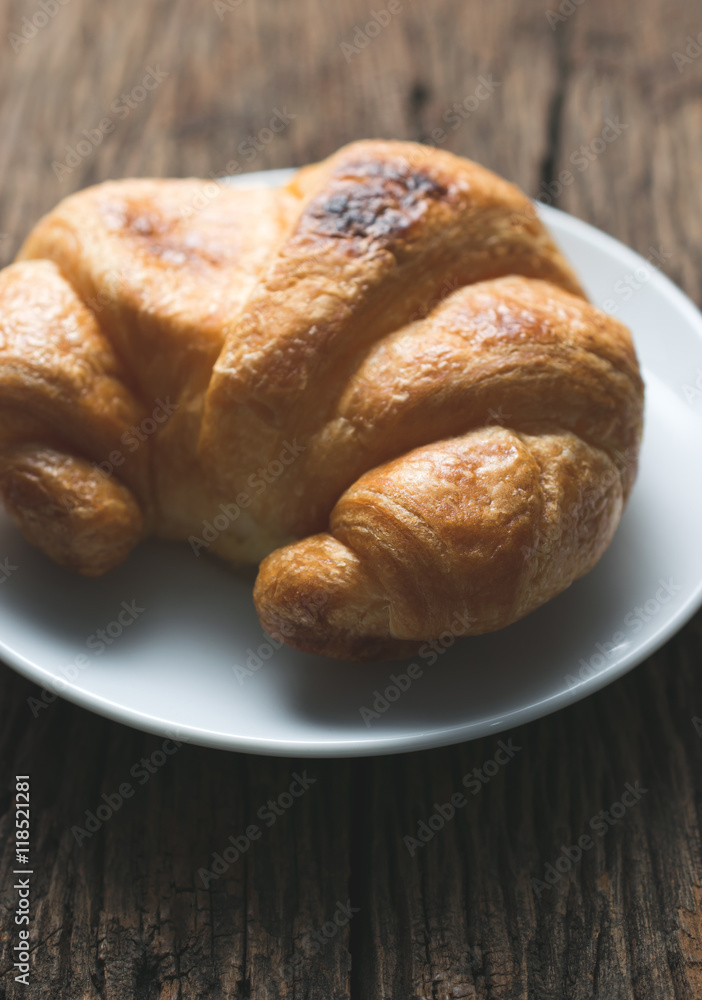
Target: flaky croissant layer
[[383, 380]]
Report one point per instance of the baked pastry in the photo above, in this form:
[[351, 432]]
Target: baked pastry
[[383, 380]]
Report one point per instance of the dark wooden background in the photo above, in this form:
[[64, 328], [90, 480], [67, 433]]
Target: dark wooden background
[[125, 916]]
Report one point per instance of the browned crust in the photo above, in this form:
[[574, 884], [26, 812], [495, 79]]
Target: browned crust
[[80, 519], [386, 372]]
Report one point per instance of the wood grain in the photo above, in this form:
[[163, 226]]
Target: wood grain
[[126, 914]]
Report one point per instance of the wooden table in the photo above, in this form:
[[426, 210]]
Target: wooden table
[[125, 915]]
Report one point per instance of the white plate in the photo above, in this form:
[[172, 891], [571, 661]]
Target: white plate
[[172, 670]]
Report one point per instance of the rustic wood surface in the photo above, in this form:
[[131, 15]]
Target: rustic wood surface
[[125, 915]]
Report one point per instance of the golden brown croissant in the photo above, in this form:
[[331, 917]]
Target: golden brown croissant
[[383, 380]]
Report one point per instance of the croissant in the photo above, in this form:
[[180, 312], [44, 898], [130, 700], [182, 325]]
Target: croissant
[[383, 382]]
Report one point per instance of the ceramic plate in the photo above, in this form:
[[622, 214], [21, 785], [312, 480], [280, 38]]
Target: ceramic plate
[[180, 650]]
